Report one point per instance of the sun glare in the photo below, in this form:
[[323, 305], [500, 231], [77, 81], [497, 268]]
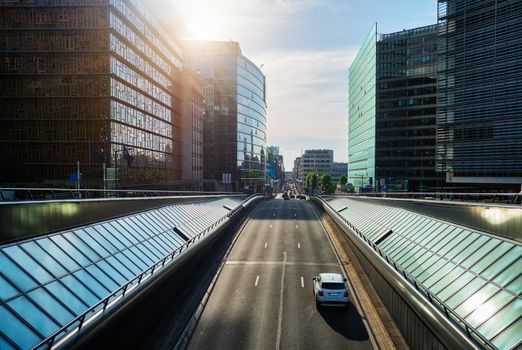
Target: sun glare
[[203, 19]]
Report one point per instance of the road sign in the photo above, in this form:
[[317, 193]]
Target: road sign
[[73, 177]]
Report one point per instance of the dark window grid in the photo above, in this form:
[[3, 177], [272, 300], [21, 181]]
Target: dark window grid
[[25, 294], [502, 329], [150, 43], [124, 40], [22, 320], [9, 341]]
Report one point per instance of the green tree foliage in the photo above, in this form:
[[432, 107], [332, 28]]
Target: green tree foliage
[[311, 180], [343, 180], [326, 182]]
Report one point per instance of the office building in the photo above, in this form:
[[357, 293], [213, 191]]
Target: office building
[[316, 160], [88, 83], [362, 77], [192, 118], [406, 111], [235, 124], [337, 170], [392, 112], [479, 124], [297, 171]]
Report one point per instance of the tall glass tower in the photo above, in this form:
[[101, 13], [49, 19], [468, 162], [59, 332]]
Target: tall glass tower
[[479, 122], [362, 114]]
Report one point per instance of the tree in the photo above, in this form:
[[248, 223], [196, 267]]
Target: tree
[[326, 182], [343, 180], [311, 180]]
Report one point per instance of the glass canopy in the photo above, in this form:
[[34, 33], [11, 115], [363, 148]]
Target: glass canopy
[[46, 281]]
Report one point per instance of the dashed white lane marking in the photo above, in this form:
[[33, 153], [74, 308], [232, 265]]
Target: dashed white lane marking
[[296, 227], [280, 318], [302, 282], [298, 245], [270, 226], [257, 280], [266, 244]]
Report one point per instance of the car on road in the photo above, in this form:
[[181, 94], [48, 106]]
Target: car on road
[[285, 196], [330, 289]]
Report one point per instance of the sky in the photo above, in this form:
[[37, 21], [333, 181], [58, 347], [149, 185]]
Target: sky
[[305, 47]]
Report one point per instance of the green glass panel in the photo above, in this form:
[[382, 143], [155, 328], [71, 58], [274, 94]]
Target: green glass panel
[[502, 263], [510, 337], [438, 286], [422, 264], [459, 247], [455, 286], [465, 292], [435, 240], [456, 238], [480, 253], [439, 242], [443, 270], [516, 285], [430, 270], [491, 257], [476, 300], [481, 240], [509, 274], [489, 308], [512, 311]]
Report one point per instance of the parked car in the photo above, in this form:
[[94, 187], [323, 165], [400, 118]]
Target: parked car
[[330, 289]]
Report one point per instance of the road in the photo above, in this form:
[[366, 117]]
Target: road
[[263, 297]]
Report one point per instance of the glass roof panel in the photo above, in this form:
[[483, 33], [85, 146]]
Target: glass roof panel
[[510, 336]]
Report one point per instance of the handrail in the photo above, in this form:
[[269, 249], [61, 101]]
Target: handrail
[[101, 306], [33, 193], [451, 315]]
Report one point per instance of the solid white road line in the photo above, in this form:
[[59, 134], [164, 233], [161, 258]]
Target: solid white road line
[[302, 282], [266, 244], [257, 280], [298, 245], [280, 318]]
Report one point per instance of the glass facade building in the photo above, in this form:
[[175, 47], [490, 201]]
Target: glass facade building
[[91, 82], [362, 113], [479, 124], [407, 110], [235, 122]]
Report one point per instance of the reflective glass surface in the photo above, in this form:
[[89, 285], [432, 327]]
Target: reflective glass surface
[[477, 275], [47, 281]]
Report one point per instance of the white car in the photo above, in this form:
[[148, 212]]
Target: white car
[[330, 289]]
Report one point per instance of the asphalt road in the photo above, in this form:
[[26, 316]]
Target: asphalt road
[[263, 297]]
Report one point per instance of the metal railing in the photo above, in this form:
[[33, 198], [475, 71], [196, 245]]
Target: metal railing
[[27, 194], [101, 306], [470, 197], [471, 332]]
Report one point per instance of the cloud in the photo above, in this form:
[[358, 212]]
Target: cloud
[[307, 94]]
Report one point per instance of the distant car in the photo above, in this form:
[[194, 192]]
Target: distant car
[[301, 196], [292, 196], [330, 289], [285, 196]]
